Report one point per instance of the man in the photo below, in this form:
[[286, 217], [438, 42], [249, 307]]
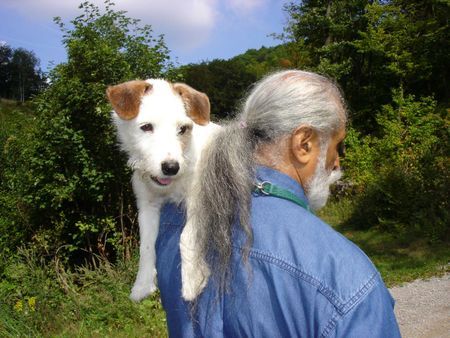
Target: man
[[274, 268]]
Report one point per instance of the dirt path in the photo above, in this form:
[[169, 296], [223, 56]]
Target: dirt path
[[423, 308]]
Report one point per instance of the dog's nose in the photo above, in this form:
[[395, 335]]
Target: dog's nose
[[170, 168]]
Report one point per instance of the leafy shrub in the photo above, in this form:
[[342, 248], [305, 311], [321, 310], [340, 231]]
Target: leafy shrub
[[66, 176], [16, 121], [402, 176]]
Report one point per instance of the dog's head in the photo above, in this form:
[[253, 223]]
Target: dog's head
[[154, 119]]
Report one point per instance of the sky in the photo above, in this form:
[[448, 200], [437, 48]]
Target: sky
[[194, 30]]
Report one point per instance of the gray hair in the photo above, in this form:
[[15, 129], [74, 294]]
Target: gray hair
[[275, 107]]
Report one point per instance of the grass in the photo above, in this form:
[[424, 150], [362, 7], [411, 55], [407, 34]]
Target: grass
[[41, 299], [15, 117], [399, 259], [9, 108]]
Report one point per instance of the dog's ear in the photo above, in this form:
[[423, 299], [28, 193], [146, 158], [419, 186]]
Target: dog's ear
[[126, 97], [197, 103]]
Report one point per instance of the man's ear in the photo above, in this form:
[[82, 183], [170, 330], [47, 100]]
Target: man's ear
[[304, 141], [196, 103], [126, 97]]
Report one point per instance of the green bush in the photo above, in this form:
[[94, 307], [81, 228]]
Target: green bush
[[401, 177], [16, 121], [65, 184]]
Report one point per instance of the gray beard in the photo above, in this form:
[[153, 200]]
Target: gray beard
[[318, 187]]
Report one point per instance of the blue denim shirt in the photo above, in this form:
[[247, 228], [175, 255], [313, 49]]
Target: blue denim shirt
[[305, 279]]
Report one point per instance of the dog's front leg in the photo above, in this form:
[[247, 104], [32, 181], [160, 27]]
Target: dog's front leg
[[194, 269], [149, 210]]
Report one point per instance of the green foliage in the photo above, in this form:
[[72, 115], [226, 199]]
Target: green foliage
[[64, 182], [20, 75], [16, 120], [397, 163], [261, 61], [40, 298], [370, 47], [403, 176], [225, 82]]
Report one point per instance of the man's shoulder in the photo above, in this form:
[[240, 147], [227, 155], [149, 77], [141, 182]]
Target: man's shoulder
[[313, 252]]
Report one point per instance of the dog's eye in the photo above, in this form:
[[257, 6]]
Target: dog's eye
[[184, 129], [147, 127]]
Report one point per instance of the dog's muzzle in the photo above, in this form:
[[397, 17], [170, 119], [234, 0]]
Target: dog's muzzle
[[170, 168]]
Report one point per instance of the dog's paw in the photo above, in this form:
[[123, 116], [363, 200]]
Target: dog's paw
[[139, 292]]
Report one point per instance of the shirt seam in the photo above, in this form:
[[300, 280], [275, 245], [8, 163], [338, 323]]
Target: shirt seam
[[341, 307], [353, 302], [296, 272], [330, 326], [358, 296]]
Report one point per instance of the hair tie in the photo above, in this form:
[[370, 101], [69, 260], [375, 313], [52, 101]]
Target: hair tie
[[242, 124]]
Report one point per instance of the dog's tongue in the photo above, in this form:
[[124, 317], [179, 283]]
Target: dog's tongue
[[164, 181]]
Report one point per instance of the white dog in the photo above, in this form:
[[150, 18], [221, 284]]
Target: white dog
[[163, 128]]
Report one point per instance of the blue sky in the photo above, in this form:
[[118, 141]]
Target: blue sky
[[195, 30]]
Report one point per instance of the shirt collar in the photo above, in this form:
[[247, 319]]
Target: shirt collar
[[281, 180]]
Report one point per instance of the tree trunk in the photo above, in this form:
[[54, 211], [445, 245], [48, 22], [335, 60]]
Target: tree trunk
[[329, 38]]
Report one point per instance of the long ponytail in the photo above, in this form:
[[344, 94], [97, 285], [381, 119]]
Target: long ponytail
[[223, 197]]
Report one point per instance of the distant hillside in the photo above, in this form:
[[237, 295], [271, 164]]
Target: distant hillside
[[7, 104], [227, 81], [14, 117], [267, 59], [12, 111]]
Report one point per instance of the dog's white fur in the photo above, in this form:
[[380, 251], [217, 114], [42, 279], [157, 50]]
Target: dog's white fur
[[172, 138]]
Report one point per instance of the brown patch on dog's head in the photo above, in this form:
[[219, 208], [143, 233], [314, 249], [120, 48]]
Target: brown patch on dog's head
[[197, 103], [126, 97]]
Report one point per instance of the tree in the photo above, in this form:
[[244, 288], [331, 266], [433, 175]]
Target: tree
[[76, 186], [326, 30], [20, 75], [405, 45], [26, 78], [390, 58], [5, 72], [224, 81], [370, 47]]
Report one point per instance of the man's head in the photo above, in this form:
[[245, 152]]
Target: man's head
[[291, 121], [301, 118]]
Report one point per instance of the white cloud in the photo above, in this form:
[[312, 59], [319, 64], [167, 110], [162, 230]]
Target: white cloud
[[186, 24], [246, 6]]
